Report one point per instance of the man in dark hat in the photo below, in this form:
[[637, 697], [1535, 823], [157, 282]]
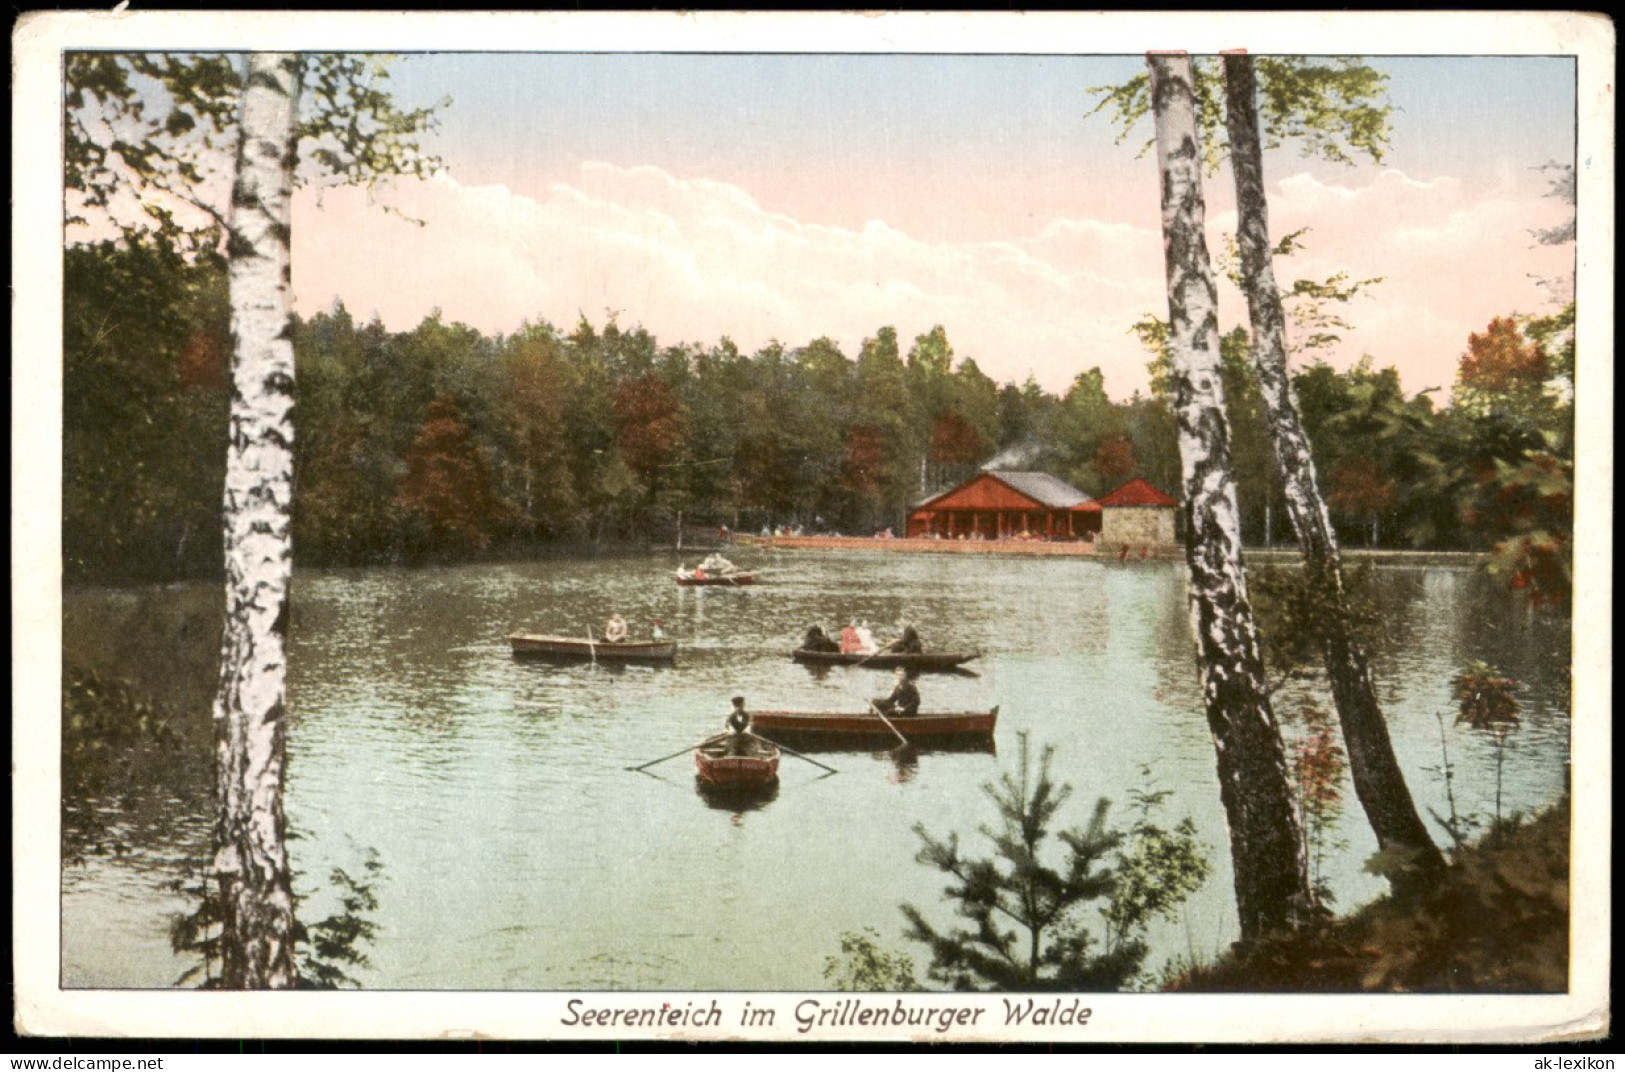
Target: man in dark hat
[[904, 699], [739, 729]]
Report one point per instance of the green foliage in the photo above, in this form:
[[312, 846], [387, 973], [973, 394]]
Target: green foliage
[[145, 333], [864, 965], [1156, 870], [446, 490], [1563, 188], [1485, 697], [140, 124], [1313, 307], [1497, 921], [1534, 500], [603, 434], [1319, 766], [1393, 466], [1333, 108], [350, 127], [1131, 878], [1487, 702], [1080, 430], [1455, 824], [333, 948], [102, 716], [1295, 614], [327, 953], [1506, 374]]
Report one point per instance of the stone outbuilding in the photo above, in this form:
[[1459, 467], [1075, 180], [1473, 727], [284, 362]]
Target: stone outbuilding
[[1136, 518]]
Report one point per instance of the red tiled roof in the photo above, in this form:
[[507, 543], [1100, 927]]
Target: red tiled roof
[[1137, 493]]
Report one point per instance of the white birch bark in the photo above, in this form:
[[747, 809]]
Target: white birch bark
[[1378, 781], [1266, 838], [251, 860]]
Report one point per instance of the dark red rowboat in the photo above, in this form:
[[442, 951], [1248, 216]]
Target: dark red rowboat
[[825, 728], [717, 768], [541, 646], [919, 662], [688, 579]]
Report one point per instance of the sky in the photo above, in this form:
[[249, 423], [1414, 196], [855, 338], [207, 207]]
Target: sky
[[788, 197]]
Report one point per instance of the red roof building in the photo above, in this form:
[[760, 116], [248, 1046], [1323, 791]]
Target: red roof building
[[1137, 492], [1002, 505], [1137, 519]]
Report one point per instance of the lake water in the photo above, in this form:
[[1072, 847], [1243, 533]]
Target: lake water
[[518, 852]]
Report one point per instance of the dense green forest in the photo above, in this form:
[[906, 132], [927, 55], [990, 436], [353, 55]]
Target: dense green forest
[[442, 443]]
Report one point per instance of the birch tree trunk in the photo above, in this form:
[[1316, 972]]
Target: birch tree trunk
[[1378, 781], [251, 860], [1266, 839]]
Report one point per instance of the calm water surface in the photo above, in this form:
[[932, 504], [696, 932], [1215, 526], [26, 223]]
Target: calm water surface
[[518, 852]]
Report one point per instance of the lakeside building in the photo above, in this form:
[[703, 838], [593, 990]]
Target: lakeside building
[[1001, 511], [1137, 515], [1004, 504]]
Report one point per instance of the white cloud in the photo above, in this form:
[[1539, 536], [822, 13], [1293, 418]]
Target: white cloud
[[693, 260], [1448, 262]]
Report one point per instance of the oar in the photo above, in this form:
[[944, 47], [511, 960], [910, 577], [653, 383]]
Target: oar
[[674, 755], [793, 752], [876, 709], [882, 650], [592, 647]]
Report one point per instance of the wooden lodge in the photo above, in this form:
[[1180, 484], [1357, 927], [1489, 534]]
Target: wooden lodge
[[1004, 505], [1018, 513]]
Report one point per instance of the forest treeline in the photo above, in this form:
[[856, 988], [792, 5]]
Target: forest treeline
[[442, 443]]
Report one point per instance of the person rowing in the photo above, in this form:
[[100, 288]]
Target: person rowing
[[851, 643], [904, 699], [716, 565], [907, 644], [738, 743], [615, 630]]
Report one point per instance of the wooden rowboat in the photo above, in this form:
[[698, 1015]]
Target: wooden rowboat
[[542, 646], [717, 769], [688, 579], [919, 662], [972, 729]]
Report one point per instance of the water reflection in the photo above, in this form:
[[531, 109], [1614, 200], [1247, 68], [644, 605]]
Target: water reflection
[[498, 790], [736, 798]]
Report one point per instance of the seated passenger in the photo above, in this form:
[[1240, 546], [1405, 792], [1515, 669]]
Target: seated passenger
[[818, 640]]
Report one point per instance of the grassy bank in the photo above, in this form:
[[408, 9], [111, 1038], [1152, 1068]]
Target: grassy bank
[[1497, 922]]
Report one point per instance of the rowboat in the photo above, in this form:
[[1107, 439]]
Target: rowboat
[[919, 662], [692, 578], [756, 768], [541, 646], [971, 729]]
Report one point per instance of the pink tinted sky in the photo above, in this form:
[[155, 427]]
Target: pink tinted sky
[[789, 197]]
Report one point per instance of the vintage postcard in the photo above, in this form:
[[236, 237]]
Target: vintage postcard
[[1071, 528]]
